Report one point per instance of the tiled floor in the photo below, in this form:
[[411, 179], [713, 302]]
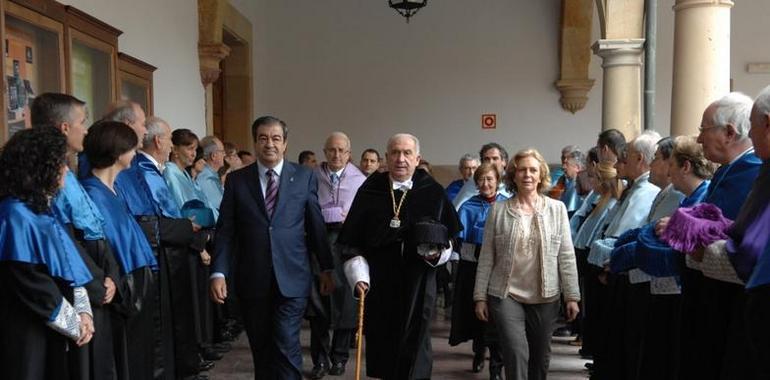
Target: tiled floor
[[449, 363]]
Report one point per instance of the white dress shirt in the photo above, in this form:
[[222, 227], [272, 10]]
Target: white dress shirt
[[263, 184], [403, 186], [153, 160], [278, 168]]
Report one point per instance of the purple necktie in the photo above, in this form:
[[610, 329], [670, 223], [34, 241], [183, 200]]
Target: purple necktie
[[271, 193]]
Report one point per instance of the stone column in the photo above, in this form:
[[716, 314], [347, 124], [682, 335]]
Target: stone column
[[701, 60], [211, 50], [575, 54], [622, 84]]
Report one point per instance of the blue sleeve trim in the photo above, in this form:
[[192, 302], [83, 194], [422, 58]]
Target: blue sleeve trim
[[55, 312]]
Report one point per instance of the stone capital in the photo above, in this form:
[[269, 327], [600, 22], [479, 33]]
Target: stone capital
[[624, 52], [685, 4], [210, 54], [574, 93]]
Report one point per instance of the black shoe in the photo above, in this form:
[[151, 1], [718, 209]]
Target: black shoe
[[211, 354], [478, 362], [196, 377], [563, 332], [337, 369], [495, 376], [585, 354], [319, 371], [205, 365]]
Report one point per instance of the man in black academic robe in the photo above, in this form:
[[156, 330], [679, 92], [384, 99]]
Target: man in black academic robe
[[378, 231]]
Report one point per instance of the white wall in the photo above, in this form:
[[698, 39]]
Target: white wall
[[355, 66], [749, 44], [165, 35]]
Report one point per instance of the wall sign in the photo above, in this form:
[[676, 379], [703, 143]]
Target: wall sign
[[488, 121]]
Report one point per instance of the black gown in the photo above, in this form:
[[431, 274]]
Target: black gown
[[171, 345], [28, 296], [401, 300], [97, 359]]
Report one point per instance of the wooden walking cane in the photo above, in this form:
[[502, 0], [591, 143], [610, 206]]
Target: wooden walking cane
[[360, 334]]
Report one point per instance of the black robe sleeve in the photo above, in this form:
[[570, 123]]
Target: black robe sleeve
[[101, 252], [33, 287], [95, 288], [367, 226], [179, 232]]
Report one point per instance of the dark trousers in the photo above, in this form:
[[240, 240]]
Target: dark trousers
[[321, 351], [594, 302], [273, 325], [727, 354], [616, 326], [143, 330], [694, 337], [98, 355], [757, 317], [183, 305], [661, 342], [635, 328], [525, 336], [584, 271], [487, 337]]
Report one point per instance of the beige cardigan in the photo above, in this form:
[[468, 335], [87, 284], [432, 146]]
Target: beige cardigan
[[558, 269]]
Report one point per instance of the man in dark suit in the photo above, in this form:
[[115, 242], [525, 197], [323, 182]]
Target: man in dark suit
[[269, 221]]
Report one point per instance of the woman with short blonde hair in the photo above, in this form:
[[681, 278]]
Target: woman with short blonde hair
[[526, 262], [545, 172]]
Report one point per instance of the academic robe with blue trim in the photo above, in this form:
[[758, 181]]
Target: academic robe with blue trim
[[194, 205], [76, 212], [209, 182], [570, 196], [657, 258], [131, 187], [135, 259], [179, 246], [473, 216], [81, 217], [711, 348], [454, 188], [183, 189], [579, 217], [127, 239], [39, 267], [469, 189], [731, 184]]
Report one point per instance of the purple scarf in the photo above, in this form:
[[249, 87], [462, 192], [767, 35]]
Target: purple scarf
[[693, 227]]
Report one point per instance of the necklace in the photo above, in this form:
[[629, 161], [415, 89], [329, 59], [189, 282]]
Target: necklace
[[518, 205], [396, 222]]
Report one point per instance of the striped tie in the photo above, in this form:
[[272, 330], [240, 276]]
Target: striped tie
[[271, 193]]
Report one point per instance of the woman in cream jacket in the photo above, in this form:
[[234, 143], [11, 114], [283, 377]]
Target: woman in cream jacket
[[527, 260]]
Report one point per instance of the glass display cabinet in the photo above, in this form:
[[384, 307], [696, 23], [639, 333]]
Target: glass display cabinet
[[51, 47], [93, 49], [135, 81], [33, 63]]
